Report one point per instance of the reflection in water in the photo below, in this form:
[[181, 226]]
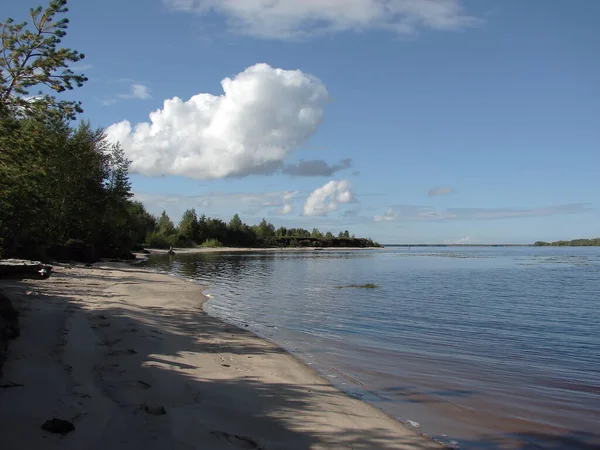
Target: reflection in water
[[466, 342]]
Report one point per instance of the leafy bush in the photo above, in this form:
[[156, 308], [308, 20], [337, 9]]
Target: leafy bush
[[212, 243]]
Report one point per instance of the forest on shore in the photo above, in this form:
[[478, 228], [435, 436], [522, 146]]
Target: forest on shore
[[573, 243], [64, 188]]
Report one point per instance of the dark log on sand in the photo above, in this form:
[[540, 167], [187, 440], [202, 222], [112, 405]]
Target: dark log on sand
[[19, 268]]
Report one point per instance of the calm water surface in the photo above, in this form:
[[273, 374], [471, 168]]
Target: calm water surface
[[480, 347]]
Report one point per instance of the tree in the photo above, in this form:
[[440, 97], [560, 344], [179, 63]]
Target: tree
[[188, 226], [329, 235], [31, 56], [346, 234], [265, 229], [164, 225], [316, 234], [236, 224]]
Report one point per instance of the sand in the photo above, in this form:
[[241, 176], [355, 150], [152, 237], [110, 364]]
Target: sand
[[132, 360]]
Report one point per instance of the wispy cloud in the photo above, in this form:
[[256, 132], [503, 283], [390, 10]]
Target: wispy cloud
[[221, 203], [462, 241], [442, 190], [316, 168], [387, 216], [412, 213], [137, 92], [295, 19], [80, 67]]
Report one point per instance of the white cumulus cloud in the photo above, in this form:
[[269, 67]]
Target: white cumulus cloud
[[289, 19], [326, 199], [263, 114]]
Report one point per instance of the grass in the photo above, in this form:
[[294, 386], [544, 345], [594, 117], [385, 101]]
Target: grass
[[360, 286]]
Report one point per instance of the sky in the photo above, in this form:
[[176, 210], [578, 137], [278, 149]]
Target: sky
[[407, 121]]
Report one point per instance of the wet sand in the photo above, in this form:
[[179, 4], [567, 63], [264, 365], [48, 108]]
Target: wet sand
[[132, 360]]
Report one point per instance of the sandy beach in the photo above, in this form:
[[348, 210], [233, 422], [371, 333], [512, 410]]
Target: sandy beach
[[132, 360]]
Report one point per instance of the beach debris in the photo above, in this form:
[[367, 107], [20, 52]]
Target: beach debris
[[59, 426], [143, 383], [226, 365], [234, 439], [156, 410], [22, 268], [412, 423]]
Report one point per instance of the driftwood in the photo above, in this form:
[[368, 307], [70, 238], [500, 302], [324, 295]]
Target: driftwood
[[19, 268]]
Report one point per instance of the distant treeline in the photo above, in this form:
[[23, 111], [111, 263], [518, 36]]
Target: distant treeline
[[213, 232], [574, 243]]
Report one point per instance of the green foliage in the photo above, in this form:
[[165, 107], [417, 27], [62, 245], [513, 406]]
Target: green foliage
[[156, 239], [165, 225], [188, 226], [59, 183], [31, 56], [264, 229], [316, 234], [212, 243]]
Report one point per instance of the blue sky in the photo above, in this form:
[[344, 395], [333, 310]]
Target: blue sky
[[403, 120]]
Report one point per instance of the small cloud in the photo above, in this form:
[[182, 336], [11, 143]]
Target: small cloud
[[316, 168], [387, 216], [443, 190], [137, 92], [326, 199], [286, 209]]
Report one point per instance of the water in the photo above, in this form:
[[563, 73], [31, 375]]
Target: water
[[480, 347]]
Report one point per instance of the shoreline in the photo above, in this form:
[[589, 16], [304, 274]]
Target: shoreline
[[99, 342], [194, 250]]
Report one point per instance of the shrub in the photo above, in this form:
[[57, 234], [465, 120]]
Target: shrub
[[212, 243]]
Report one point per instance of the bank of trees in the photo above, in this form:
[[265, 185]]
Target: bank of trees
[[573, 243], [194, 230]]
